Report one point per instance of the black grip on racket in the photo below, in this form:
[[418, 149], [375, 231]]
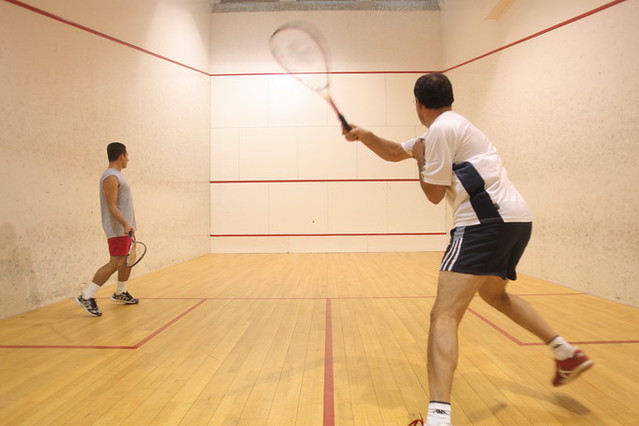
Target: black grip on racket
[[345, 124]]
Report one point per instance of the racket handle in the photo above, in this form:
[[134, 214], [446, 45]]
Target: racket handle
[[345, 124]]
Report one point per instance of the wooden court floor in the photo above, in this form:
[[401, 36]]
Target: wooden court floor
[[307, 339]]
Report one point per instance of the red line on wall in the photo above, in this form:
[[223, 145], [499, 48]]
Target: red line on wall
[[266, 74], [537, 34], [492, 52], [148, 52], [100, 34], [329, 389]]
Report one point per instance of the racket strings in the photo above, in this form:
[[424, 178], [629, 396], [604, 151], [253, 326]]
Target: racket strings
[[299, 49], [133, 254], [301, 54]]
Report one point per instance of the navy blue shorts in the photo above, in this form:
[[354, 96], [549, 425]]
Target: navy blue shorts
[[487, 249]]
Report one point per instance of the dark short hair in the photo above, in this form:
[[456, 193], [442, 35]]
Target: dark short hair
[[114, 150], [434, 91]]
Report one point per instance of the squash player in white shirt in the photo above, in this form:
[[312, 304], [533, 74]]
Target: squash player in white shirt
[[492, 226]]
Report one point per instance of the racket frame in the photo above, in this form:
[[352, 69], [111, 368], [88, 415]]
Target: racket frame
[[317, 38], [137, 244]]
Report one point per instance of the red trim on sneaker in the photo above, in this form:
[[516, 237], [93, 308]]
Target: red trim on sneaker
[[571, 368]]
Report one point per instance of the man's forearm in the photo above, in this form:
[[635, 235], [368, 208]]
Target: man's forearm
[[385, 149]]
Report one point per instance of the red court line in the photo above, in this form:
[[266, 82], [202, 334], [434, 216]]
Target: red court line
[[520, 343], [550, 294], [100, 34], [169, 324], [329, 309], [312, 180], [340, 297], [493, 325], [319, 235], [330, 235], [537, 34], [63, 347], [291, 298], [329, 389], [136, 346]]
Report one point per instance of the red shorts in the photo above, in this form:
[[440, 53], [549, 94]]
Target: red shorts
[[119, 246]]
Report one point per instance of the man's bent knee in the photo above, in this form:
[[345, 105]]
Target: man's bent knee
[[494, 298], [451, 312]]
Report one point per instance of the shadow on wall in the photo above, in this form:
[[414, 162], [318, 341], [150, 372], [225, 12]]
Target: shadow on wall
[[18, 281]]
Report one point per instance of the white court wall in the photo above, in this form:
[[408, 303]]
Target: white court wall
[[562, 109], [284, 179], [64, 95]]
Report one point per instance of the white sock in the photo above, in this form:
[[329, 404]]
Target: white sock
[[121, 287], [90, 291], [438, 413], [561, 349]]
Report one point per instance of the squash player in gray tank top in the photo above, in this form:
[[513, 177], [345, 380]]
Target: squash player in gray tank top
[[118, 220]]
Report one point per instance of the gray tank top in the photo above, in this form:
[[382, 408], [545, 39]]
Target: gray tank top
[[112, 227]]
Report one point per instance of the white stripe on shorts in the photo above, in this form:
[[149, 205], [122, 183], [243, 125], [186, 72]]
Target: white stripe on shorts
[[451, 257]]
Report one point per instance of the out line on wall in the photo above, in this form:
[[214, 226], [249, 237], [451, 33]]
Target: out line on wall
[[101, 34], [156, 55], [539, 33]]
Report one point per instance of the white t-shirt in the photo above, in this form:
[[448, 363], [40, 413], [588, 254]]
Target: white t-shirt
[[461, 157]]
